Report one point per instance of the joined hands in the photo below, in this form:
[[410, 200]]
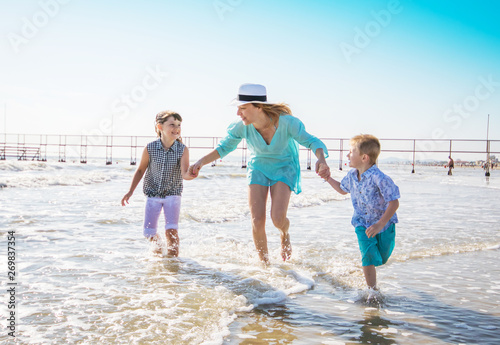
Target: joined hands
[[323, 170]]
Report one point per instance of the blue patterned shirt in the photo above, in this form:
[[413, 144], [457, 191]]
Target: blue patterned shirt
[[370, 196]]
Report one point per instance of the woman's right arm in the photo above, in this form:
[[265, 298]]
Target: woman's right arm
[[226, 145], [139, 173]]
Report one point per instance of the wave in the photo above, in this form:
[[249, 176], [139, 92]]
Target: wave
[[27, 166], [27, 174], [221, 213], [54, 179], [316, 198], [445, 250], [211, 176]]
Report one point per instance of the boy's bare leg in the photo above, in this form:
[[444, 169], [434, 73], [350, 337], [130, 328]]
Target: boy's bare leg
[[257, 199], [172, 236], [280, 198], [370, 276]]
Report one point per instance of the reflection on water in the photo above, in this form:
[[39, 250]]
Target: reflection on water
[[375, 329]]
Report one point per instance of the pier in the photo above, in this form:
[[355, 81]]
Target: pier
[[43, 147]]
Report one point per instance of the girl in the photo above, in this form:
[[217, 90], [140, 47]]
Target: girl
[[165, 162], [272, 134]]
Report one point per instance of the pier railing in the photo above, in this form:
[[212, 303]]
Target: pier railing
[[80, 148]]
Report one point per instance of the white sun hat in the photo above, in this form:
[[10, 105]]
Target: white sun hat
[[251, 93]]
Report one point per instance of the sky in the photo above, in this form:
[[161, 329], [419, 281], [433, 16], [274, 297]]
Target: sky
[[396, 69]]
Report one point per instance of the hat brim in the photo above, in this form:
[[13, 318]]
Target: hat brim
[[237, 102]]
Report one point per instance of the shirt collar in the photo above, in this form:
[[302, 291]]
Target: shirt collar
[[159, 145], [372, 170]]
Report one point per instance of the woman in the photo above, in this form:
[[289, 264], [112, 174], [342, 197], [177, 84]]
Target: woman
[[272, 134]]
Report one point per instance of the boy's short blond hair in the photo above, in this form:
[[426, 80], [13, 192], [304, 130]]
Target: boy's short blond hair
[[367, 144]]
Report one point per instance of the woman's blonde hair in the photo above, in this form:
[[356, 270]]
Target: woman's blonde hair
[[162, 117], [367, 144], [274, 111]]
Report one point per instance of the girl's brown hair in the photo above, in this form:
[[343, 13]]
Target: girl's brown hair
[[163, 116]]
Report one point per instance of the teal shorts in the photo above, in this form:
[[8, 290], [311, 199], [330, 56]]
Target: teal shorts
[[256, 177], [376, 250]]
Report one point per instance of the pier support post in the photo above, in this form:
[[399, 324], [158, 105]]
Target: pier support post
[[83, 149], [244, 154], [487, 164], [43, 149], [341, 150], [133, 150], [62, 148], [214, 144], [109, 150], [413, 165]]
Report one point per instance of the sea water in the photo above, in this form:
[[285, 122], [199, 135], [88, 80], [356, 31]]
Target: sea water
[[85, 274]]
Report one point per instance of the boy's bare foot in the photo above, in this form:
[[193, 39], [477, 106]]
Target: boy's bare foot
[[286, 247]]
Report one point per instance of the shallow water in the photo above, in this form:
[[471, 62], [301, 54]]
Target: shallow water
[[85, 274]]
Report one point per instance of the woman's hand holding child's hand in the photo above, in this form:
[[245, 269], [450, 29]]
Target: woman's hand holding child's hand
[[323, 170], [194, 169]]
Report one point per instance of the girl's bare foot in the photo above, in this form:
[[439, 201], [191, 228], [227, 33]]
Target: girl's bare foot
[[157, 244]]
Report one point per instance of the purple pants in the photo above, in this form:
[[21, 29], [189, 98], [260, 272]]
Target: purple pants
[[171, 206]]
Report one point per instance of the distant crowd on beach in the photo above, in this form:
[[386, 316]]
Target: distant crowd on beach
[[464, 164]]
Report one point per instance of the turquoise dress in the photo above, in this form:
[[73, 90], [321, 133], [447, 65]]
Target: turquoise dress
[[278, 161]]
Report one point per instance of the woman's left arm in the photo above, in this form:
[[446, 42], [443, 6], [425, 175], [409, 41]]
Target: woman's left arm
[[298, 132], [322, 169]]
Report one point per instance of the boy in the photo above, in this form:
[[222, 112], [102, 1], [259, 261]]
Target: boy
[[375, 200]]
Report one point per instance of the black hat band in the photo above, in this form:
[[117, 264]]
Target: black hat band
[[250, 98]]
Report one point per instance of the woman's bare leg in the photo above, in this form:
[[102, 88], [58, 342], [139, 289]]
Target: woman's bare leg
[[257, 199], [280, 198]]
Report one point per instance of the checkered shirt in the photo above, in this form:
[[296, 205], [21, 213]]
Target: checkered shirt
[[163, 176]]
